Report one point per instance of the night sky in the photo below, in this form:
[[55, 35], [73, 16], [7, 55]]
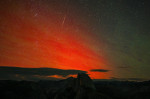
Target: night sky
[[56, 39]]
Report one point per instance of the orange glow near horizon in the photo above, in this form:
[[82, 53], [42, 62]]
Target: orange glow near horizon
[[43, 42]]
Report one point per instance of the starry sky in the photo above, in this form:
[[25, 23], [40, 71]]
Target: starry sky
[[56, 39]]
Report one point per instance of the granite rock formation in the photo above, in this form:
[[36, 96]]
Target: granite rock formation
[[81, 87]]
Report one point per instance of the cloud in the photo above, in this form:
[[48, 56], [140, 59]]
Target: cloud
[[18, 73], [99, 70], [123, 79], [128, 79]]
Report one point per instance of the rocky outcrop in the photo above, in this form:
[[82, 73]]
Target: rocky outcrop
[[81, 87]]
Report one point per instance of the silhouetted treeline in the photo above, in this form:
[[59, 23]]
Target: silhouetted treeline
[[124, 89], [63, 89]]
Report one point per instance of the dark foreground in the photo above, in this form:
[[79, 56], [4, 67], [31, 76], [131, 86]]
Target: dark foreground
[[81, 87]]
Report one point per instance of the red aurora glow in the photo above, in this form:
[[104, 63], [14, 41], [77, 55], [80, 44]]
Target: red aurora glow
[[31, 38]]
